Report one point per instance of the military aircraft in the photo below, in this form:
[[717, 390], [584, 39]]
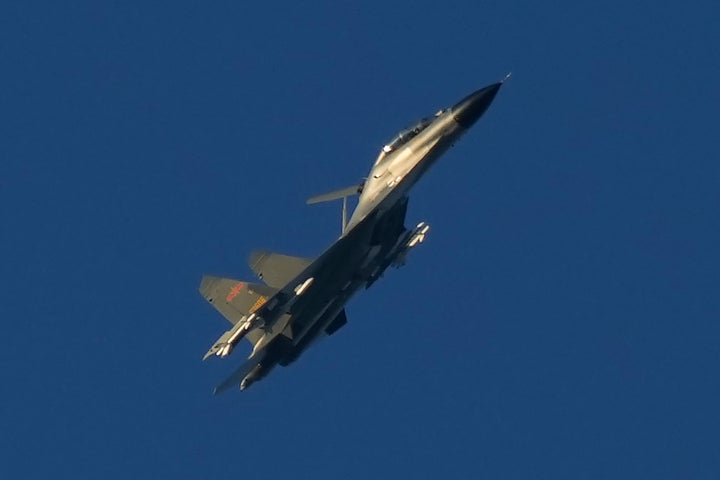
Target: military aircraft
[[300, 299]]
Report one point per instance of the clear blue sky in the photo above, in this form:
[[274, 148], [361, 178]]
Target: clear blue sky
[[562, 320]]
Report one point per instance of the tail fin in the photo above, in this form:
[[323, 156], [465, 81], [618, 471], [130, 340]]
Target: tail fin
[[233, 298], [276, 269]]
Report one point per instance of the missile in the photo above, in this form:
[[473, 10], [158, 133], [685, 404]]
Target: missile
[[226, 343], [225, 350], [251, 377], [300, 289], [419, 234], [218, 345]]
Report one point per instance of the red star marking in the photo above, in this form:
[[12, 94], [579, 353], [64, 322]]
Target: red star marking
[[234, 291]]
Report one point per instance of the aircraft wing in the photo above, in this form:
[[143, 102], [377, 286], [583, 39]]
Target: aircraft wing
[[233, 298], [276, 269], [348, 250], [233, 381]]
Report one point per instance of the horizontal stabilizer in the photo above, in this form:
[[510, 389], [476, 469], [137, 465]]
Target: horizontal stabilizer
[[233, 298], [336, 195], [276, 269], [234, 380]]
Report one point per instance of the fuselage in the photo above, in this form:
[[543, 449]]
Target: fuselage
[[396, 171]]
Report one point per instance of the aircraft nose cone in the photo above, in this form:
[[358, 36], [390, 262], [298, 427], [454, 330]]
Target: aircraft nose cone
[[469, 109]]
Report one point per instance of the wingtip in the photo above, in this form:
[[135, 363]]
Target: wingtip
[[507, 77], [256, 259], [206, 285]]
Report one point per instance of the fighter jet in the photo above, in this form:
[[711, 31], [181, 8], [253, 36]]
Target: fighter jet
[[301, 299]]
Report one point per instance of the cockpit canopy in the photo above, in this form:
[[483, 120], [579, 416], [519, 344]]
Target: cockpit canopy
[[403, 137], [407, 134]]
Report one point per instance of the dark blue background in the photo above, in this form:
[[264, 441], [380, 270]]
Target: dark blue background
[[561, 321]]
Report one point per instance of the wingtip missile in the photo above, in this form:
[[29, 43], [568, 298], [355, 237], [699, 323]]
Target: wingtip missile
[[219, 344], [249, 371], [220, 349], [227, 342], [210, 353]]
